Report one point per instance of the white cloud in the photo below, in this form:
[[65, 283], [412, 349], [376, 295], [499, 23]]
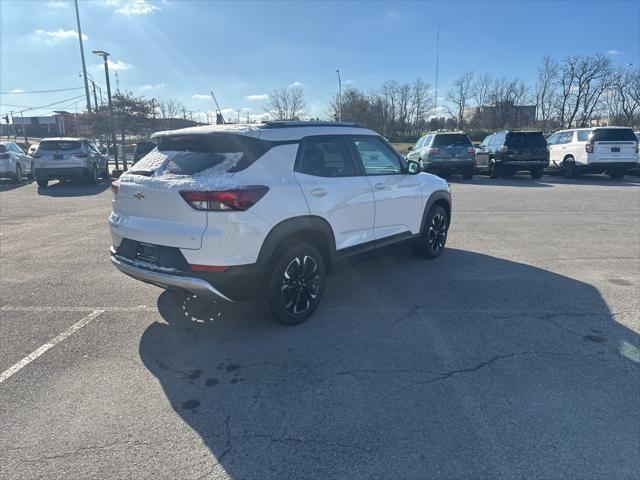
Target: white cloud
[[295, 84], [228, 111], [133, 7], [56, 4], [199, 96], [614, 52], [115, 66], [260, 96], [153, 87], [16, 90], [55, 36]]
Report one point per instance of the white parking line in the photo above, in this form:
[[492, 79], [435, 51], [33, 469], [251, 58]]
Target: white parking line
[[139, 308], [49, 345]]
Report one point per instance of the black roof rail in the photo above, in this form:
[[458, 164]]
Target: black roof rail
[[294, 124]]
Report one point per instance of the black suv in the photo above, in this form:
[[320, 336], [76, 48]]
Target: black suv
[[505, 153]]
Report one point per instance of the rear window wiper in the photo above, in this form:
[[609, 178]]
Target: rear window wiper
[[145, 173]]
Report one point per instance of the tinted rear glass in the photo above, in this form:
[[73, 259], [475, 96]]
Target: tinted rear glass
[[206, 151], [3, 149], [59, 145], [613, 135], [459, 139], [526, 139]]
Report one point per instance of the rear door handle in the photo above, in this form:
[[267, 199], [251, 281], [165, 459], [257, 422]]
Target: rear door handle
[[318, 192], [380, 186]]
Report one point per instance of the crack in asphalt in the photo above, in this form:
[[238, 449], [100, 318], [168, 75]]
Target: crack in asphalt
[[85, 448]]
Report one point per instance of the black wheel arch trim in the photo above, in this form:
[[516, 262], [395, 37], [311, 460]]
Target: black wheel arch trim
[[438, 195], [295, 226]]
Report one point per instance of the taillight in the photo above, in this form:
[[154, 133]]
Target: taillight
[[226, 200], [4, 156], [504, 149], [471, 150], [81, 155], [434, 151], [588, 147], [114, 187]]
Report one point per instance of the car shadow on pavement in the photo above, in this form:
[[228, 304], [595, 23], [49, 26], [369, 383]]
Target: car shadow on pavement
[[468, 366], [74, 189], [7, 185]]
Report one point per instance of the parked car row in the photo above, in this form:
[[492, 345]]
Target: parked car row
[[611, 150]]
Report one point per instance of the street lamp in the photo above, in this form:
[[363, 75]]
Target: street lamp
[[339, 96], [105, 56]]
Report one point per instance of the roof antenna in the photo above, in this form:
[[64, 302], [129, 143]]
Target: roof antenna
[[218, 111]]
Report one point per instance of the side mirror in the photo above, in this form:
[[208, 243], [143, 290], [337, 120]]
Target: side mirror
[[413, 167], [409, 149]]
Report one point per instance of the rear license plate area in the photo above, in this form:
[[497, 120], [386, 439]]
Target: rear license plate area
[[615, 149], [58, 156], [147, 252]]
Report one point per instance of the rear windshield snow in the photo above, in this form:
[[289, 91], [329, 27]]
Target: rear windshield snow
[[48, 145], [192, 154], [522, 139], [613, 135], [458, 139]]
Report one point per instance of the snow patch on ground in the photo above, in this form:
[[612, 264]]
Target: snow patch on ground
[[213, 178]]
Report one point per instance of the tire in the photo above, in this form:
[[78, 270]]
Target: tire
[[493, 170], [536, 173], [42, 183], [433, 238], [92, 175], [617, 174], [18, 173], [291, 294], [467, 175], [570, 169]]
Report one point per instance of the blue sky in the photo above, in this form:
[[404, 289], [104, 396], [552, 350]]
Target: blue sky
[[182, 49]]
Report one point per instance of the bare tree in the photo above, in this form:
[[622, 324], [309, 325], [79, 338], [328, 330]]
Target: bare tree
[[545, 90], [481, 88], [285, 103], [626, 91], [422, 103], [459, 97], [582, 80]]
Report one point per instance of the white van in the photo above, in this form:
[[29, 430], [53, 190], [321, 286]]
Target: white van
[[613, 150]]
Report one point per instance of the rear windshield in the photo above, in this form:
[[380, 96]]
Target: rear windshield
[[525, 139], [58, 145], [3, 149], [613, 135], [458, 139], [206, 151]]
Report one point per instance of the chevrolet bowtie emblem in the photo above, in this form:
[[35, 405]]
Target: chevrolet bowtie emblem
[[139, 195]]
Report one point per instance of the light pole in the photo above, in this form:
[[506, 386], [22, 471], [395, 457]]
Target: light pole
[[84, 66], [105, 56], [339, 96]]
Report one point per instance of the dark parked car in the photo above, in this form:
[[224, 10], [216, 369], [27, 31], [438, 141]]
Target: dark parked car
[[142, 148], [505, 153], [444, 153]]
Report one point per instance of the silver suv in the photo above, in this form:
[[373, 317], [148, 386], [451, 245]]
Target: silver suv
[[444, 153], [69, 158]]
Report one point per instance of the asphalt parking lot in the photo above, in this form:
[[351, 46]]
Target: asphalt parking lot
[[514, 354]]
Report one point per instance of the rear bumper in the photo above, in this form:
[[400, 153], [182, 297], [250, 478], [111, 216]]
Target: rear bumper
[[523, 164], [197, 286], [60, 173], [599, 167], [457, 165]]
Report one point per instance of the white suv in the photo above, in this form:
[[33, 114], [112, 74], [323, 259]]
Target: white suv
[[613, 150], [229, 212]]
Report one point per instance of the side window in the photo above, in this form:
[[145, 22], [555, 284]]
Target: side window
[[376, 157], [420, 143], [325, 157], [552, 139], [486, 141], [583, 135], [565, 137]]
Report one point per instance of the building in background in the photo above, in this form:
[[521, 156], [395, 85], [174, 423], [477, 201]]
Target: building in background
[[61, 123], [500, 115]]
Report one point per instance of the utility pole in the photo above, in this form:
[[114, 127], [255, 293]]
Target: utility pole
[[112, 135], [84, 66], [435, 109], [13, 126], [24, 129], [95, 97], [218, 111], [339, 96]]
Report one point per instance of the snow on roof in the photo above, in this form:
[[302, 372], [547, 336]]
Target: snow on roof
[[240, 129], [63, 139]]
